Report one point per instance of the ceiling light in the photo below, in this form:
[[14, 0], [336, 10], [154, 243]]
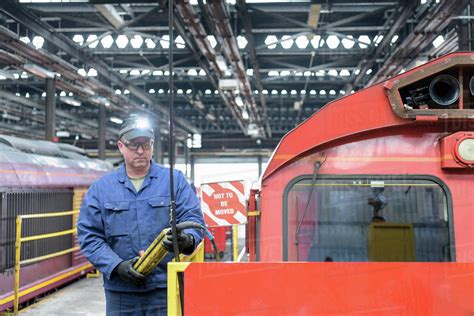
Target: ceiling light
[[210, 117], [249, 72], [180, 42], [302, 41], [364, 41], [438, 41], [192, 72], [158, 73], [107, 41], [202, 72], [92, 72], [92, 41], [221, 63], [239, 101], [78, 38], [38, 41], [344, 73], [151, 91], [25, 39], [286, 41], [165, 41], [62, 134], [150, 43], [134, 72], [39, 71], [121, 41], [348, 42], [70, 101], [271, 41], [332, 41], [245, 115], [316, 41], [116, 120], [136, 41], [241, 41], [212, 40]]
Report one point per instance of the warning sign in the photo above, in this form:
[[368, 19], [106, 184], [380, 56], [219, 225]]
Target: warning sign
[[223, 203]]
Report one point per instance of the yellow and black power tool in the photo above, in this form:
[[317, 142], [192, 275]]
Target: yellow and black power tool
[[155, 253]]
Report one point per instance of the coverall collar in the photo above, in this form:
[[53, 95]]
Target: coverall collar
[[152, 173]]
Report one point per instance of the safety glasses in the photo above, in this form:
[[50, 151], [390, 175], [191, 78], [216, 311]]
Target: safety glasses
[[134, 146]]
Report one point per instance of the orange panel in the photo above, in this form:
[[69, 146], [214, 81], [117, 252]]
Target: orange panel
[[329, 288]]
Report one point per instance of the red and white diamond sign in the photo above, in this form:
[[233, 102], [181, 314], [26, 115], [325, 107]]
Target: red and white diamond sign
[[223, 203]]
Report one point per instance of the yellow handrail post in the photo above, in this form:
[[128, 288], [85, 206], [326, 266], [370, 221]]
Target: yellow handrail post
[[235, 241], [17, 264], [174, 305]]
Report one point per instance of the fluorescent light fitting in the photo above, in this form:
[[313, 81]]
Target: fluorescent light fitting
[[39, 71], [70, 101], [221, 63], [116, 120], [239, 101], [210, 117]]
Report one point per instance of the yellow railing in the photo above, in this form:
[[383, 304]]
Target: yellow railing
[[173, 269], [19, 240]]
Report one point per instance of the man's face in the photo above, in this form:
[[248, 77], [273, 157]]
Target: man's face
[[137, 153]]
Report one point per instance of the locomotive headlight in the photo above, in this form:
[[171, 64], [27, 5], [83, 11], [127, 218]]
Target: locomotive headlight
[[466, 150]]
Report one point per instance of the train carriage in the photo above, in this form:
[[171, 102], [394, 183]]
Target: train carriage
[[41, 177]]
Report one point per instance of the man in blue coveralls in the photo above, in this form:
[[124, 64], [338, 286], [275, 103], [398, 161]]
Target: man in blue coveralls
[[122, 214]]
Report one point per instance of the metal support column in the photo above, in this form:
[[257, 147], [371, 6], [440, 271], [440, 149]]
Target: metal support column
[[50, 126], [186, 158], [191, 158], [102, 126], [158, 146], [259, 166]]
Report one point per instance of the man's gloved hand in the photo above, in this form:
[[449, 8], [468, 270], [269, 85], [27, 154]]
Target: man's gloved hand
[[185, 242], [127, 273]]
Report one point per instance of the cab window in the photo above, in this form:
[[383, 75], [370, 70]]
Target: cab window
[[367, 219]]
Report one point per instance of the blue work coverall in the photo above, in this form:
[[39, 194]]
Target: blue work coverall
[[116, 222]]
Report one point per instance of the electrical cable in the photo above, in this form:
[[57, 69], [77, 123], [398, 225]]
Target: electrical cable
[[171, 151]]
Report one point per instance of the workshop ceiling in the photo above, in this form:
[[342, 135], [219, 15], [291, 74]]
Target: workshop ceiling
[[245, 72]]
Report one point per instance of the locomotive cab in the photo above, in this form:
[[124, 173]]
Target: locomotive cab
[[381, 175]]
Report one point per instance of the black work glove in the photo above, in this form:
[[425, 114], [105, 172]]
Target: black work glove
[[185, 242], [127, 273]]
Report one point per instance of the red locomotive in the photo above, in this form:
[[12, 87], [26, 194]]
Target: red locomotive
[[366, 207]]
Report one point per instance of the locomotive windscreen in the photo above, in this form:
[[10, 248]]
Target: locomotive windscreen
[[368, 219]]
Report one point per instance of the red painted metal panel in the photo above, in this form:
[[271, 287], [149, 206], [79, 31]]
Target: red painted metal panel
[[329, 289], [366, 110]]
